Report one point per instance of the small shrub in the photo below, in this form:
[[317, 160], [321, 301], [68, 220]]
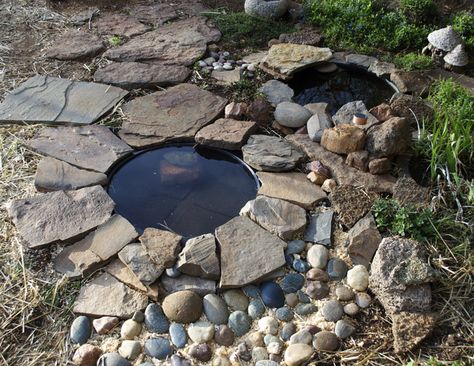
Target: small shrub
[[413, 61], [419, 11], [407, 221], [244, 90], [463, 23], [115, 41]]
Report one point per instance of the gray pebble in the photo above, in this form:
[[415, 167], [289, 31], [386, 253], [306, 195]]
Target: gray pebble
[[215, 309], [173, 272], [303, 336], [239, 322], [269, 338], [332, 311], [287, 331], [256, 308], [159, 348], [81, 329], [337, 269], [178, 335], [236, 300], [363, 299], [251, 291], [155, 319], [344, 293], [138, 316], [344, 329], [295, 247], [305, 309], [351, 309], [284, 314], [112, 359]]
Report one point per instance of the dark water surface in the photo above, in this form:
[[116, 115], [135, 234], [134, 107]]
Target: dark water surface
[[188, 190], [346, 85]]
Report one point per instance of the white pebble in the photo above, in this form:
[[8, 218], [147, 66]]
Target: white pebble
[[358, 278], [363, 299], [251, 67]]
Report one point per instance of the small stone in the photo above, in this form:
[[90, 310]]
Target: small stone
[[159, 348], [224, 336], [319, 229], [86, 355], [364, 239], [292, 282], [337, 269], [318, 256], [182, 306], [303, 336], [380, 166], [358, 160], [130, 329], [389, 138], [275, 348], [215, 309], [112, 359], [239, 322], [287, 331], [251, 291], [243, 352], [201, 352], [236, 300], [317, 124], [269, 338], [325, 341], [358, 278], [221, 361], [302, 297], [297, 354], [268, 325], [130, 349], [276, 92], [305, 309], [261, 112], [272, 295], [235, 110], [344, 329], [105, 324], [155, 319], [363, 299], [201, 332], [284, 314], [317, 274], [256, 308], [295, 247], [255, 339], [317, 290], [409, 329], [173, 272], [178, 335], [291, 300], [351, 309], [313, 329], [344, 293], [259, 353], [177, 361], [300, 265], [329, 185], [266, 363], [138, 316], [80, 330], [332, 310], [382, 112], [343, 139]]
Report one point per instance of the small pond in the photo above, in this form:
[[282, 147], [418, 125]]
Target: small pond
[[181, 188], [347, 84]]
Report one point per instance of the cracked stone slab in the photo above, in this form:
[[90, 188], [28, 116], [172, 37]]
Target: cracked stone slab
[[161, 246], [121, 25], [136, 257], [106, 296], [179, 43], [56, 175], [226, 133], [248, 252], [60, 216], [87, 255], [136, 75], [292, 187], [175, 114], [75, 45], [46, 99], [199, 258], [89, 147], [201, 286], [341, 172]]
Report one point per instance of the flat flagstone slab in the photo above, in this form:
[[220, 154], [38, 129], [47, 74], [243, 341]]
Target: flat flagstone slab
[[75, 45], [90, 147], [341, 172], [277, 216], [46, 99], [56, 175], [285, 59], [87, 255], [59, 216], [270, 153], [156, 14], [226, 133], [161, 246], [248, 252], [292, 187], [319, 229], [121, 25], [135, 75], [106, 296], [178, 43], [175, 114], [201, 286]]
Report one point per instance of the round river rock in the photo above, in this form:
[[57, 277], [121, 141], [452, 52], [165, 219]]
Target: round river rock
[[183, 306]]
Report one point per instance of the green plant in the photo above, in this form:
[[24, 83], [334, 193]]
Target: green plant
[[115, 40], [463, 23], [240, 30], [418, 11], [413, 61], [365, 26], [408, 221], [244, 90]]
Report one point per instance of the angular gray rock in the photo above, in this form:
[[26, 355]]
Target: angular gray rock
[[226, 133], [59, 216], [248, 252], [319, 229], [291, 115], [341, 172], [46, 99], [360, 60], [280, 217], [90, 147], [364, 239], [75, 45], [106, 296], [55, 175], [175, 114], [136, 257], [136, 75], [292, 187], [199, 257], [87, 255], [387, 283], [201, 286], [317, 124], [391, 138], [345, 114], [178, 43], [277, 92], [270, 153]]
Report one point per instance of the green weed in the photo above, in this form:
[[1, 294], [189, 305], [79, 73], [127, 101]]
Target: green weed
[[413, 61], [463, 23], [244, 90], [115, 41]]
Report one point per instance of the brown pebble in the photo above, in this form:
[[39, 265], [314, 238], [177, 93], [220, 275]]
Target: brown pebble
[[317, 290], [224, 336], [105, 324], [86, 355], [201, 352], [316, 274]]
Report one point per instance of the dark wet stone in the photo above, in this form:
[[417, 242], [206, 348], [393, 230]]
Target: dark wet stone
[[155, 319], [295, 247], [302, 297], [112, 359], [337, 269], [80, 330], [251, 291], [305, 309], [284, 314], [159, 348], [287, 331], [300, 265], [272, 295], [201, 352], [292, 282], [178, 335]]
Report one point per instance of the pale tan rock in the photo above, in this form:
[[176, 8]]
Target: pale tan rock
[[329, 185], [297, 354], [183, 306], [343, 139], [226, 133], [316, 178], [409, 329], [358, 160], [86, 355], [292, 187], [162, 246], [226, 77], [124, 274], [105, 324], [235, 110]]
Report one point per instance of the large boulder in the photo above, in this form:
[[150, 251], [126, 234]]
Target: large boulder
[[266, 9], [389, 139]]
